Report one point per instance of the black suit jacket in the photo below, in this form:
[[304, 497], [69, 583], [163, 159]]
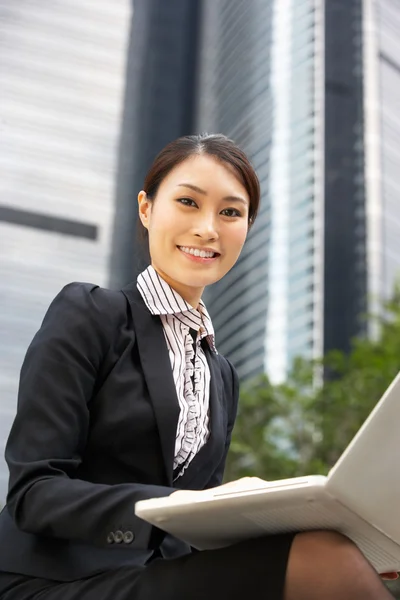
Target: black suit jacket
[[95, 432]]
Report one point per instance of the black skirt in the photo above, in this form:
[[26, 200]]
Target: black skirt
[[238, 571]]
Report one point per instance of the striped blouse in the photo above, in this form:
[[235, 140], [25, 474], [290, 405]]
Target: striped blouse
[[182, 325]]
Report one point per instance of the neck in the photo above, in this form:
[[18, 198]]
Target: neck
[[190, 294]]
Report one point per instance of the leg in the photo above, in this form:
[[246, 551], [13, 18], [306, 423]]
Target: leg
[[325, 565]]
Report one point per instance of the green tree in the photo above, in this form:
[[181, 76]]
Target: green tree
[[274, 436], [298, 427]]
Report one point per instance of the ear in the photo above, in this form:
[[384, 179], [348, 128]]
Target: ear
[[144, 208]]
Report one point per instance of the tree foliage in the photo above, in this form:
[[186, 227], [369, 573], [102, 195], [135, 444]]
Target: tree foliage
[[299, 427]]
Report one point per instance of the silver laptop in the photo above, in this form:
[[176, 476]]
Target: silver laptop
[[359, 498]]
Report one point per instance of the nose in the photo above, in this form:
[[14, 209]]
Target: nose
[[205, 226]]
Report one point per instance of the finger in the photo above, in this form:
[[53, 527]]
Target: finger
[[390, 576]]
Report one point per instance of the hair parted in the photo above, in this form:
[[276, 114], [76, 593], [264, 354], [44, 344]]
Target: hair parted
[[217, 145]]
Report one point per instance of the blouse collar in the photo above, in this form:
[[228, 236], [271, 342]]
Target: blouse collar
[[161, 299]]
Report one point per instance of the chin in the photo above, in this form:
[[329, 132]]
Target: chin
[[204, 281], [195, 280]]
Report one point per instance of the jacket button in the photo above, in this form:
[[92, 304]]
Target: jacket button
[[110, 538], [128, 537], [118, 537]]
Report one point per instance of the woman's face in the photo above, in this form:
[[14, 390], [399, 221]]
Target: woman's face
[[201, 206]]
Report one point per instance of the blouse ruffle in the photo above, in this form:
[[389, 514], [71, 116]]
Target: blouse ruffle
[[196, 423]]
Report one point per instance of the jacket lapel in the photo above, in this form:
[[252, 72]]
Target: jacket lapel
[[157, 371]]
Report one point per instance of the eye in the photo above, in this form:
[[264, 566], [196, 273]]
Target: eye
[[231, 212], [186, 201]]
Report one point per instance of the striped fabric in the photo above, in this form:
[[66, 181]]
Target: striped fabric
[[182, 325]]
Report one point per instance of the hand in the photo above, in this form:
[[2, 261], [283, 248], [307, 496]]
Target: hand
[[245, 483], [186, 495], [390, 576]]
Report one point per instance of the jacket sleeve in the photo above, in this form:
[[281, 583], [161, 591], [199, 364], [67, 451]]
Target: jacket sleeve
[[233, 399], [49, 434]]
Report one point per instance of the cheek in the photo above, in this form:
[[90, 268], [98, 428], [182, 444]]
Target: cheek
[[237, 239], [161, 228], [167, 222]]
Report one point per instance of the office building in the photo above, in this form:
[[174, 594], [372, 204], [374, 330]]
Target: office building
[[269, 306], [62, 86], [159, 106], [309, 88]]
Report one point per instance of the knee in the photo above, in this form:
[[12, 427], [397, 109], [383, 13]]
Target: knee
[[326, 564], [324, 538], [329, 548]]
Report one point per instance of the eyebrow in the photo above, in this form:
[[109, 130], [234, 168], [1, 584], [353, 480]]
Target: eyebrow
[[195, 188]]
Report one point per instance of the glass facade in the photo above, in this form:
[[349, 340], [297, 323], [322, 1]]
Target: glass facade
[[62, 78], [257, 85], [345, 233], [388, 49], [311, 90], [305, 197], [235, 98], [158, 108]]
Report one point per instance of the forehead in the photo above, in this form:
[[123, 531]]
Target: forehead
[[207, 173]]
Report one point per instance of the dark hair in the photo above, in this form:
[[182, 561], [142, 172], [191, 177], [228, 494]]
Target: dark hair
[[217, 145]]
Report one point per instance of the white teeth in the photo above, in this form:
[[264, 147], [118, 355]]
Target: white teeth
[[196, 252]]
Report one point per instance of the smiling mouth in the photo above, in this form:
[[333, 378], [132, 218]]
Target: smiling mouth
[[204, 254]]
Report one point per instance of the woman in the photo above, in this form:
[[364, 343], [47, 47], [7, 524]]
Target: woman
[[123, 396]]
